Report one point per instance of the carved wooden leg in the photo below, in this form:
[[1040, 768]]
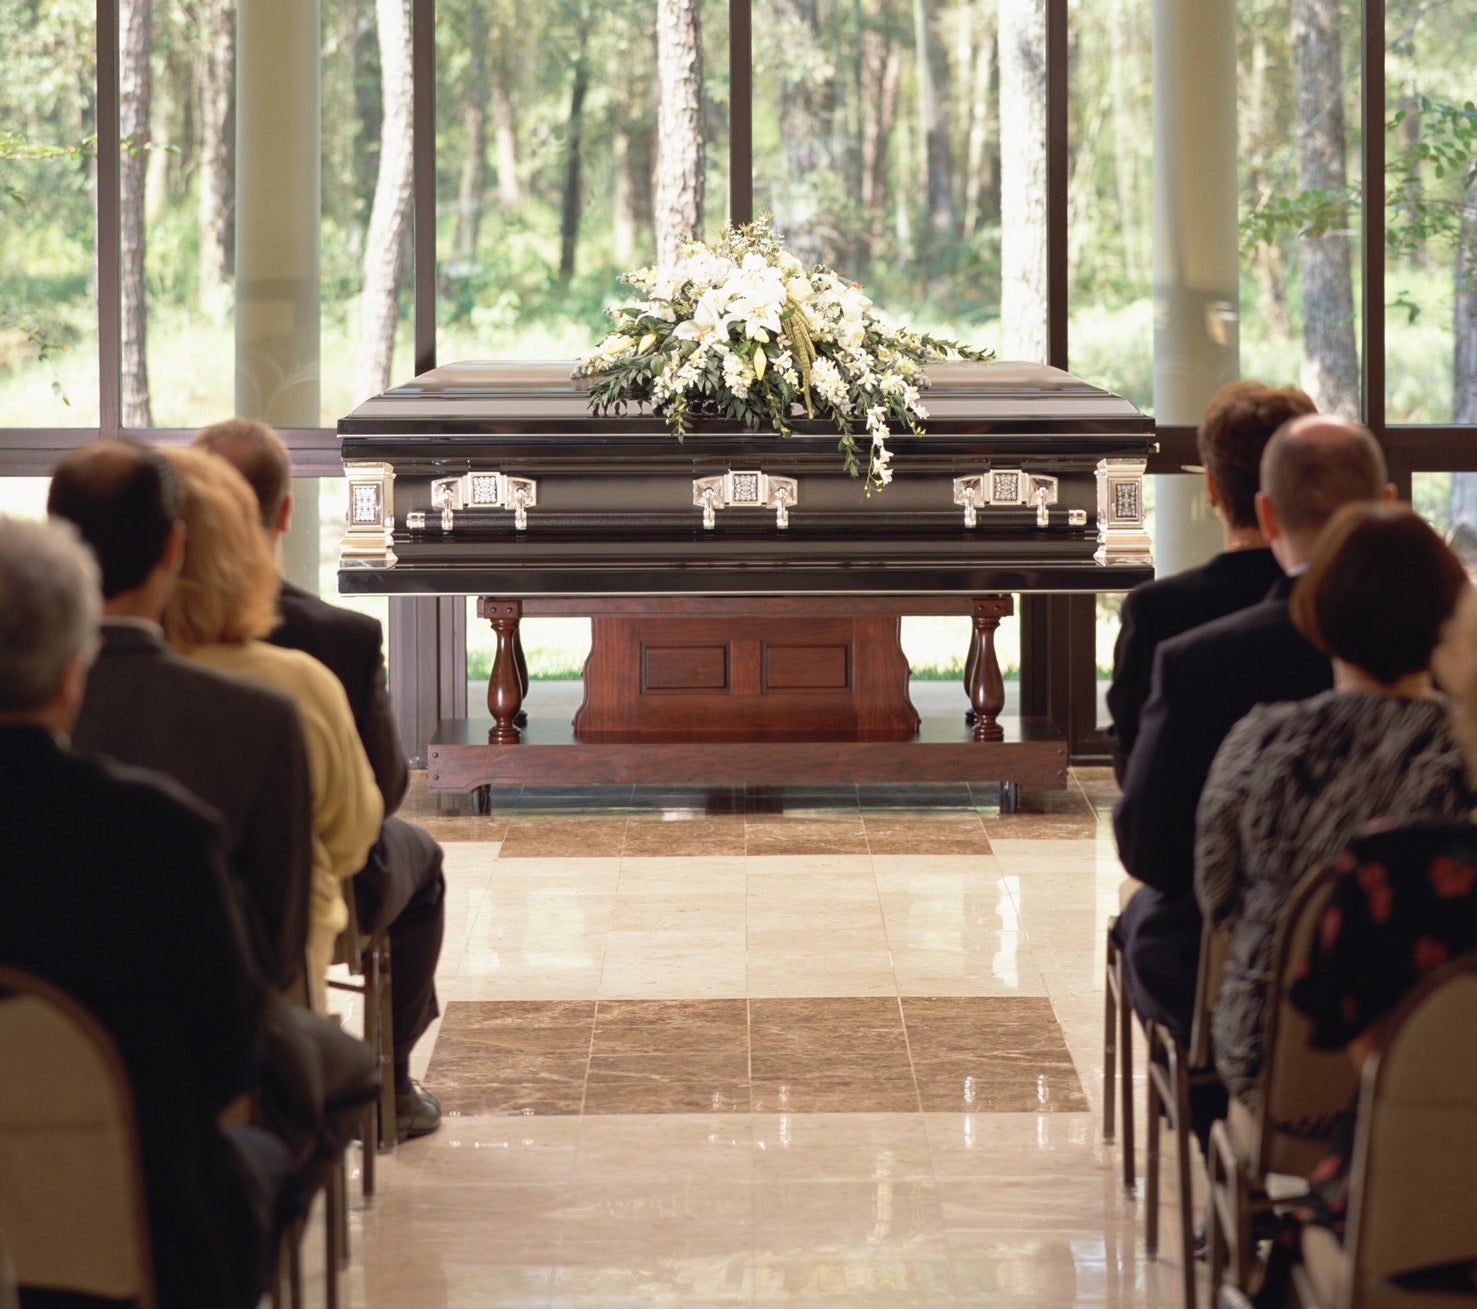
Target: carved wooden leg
[[986, 686], [971, 661], [521, 717], [504, 689]]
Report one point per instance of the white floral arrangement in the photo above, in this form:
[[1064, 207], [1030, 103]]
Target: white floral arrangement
[[739, 329]]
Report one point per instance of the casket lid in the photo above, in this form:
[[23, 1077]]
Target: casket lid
[[478, 398]]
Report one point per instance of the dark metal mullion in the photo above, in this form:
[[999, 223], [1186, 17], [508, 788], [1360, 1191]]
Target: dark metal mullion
[[423, 156], [109, 291], [1372, 114], [740, 112], [1056, 182]]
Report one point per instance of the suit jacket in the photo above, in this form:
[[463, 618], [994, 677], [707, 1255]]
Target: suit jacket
[[1163, 608], [351, 645], [115, 889], [234, 744], [1204, 682]]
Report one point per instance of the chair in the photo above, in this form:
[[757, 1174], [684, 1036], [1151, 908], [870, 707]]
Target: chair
[[1303, 1095], [1118, 1044], [1173, 1068], [368, 959], [71, 1183], [1415, 1155]]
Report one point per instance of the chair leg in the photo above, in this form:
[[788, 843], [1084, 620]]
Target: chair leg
[[369, 1138], [385, 1032], [1125, 1078], [1154, 1117], [333, 1202], [1110, 1033], [1182, 1135]]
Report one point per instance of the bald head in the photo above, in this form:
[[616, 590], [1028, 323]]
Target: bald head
[[124, 501], [1313, 466], [258, 455]]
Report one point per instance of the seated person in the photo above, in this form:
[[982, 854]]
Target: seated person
[[1293, 782], [148, 706], [1404, 902], [401, 889], [1234, 430], [221, 605], [115, 890]]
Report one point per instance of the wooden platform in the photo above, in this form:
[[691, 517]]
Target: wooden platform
[[462, 758]]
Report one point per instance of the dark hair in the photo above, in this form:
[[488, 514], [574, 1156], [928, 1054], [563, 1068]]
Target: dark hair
[[124, 500], [1234, 430], [1316, 464], [258, 455], [1381, 586]]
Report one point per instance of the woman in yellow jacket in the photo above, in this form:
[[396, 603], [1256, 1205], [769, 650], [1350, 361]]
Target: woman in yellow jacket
[[224, 602]]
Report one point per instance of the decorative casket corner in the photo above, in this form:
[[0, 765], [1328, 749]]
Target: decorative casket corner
[[1122, 539], [368, 543]]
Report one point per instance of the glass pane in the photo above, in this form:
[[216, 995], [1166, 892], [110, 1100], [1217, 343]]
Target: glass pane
[[1301, 190], [888, 141], [23, 497], [368, 331], [1110, 260], [176, 212], [48, 311], [547, 164], [1448, 501], [1431, 216]]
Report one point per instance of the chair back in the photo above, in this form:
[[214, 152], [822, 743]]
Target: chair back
[[1413, 1202], [71, 1186], [1215, 949], [1304, 1092]]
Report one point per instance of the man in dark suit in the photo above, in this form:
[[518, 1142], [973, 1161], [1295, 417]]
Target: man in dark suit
[[1234, 430], [114, 889], [232, 743], [1204, 682], [402, 887]]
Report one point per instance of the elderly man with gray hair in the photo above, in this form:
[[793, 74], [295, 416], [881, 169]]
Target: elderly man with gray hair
[[114, 889]]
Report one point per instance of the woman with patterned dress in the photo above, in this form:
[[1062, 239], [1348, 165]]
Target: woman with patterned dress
[[1293, 782]]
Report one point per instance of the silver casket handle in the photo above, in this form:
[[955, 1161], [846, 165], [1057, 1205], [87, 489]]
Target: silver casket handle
[[1005, 486], [745, 489], [478, 490]]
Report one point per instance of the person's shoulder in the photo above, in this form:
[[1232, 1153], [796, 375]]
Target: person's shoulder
[[228, 692], [303, 612], [129, 800]]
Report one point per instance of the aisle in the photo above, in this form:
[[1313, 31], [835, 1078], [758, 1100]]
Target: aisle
[[831, 1049]]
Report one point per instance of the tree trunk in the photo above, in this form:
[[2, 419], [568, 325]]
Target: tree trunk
[[933, 118], [1330, 359], [1267, 263], [1126, 80], [679, 171], [505, 135], [1464, 320], [569, 225], [980, 194], [217, 58], [135, 42], [389, 219], [1023, 180], [473, 183], [623, 197]]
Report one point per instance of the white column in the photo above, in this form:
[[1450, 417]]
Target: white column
[[278, 204], [1196, 303]]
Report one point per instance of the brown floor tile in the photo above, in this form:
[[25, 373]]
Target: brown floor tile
[[671, 1027], [805, 835], [564, 837], [893, 833], [847, 1094], [649, 836], [477, 1029], [668, 1084]]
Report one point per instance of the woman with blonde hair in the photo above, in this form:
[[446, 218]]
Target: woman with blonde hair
[[223, 604]]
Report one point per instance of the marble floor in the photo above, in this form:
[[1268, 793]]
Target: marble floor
[[753, 1047]]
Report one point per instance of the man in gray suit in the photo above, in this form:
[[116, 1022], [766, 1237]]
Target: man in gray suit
[[233, 744]]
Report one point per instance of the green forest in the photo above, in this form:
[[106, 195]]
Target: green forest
[[897, 140]]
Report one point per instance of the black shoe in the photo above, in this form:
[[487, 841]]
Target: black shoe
[[417, 1113]]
